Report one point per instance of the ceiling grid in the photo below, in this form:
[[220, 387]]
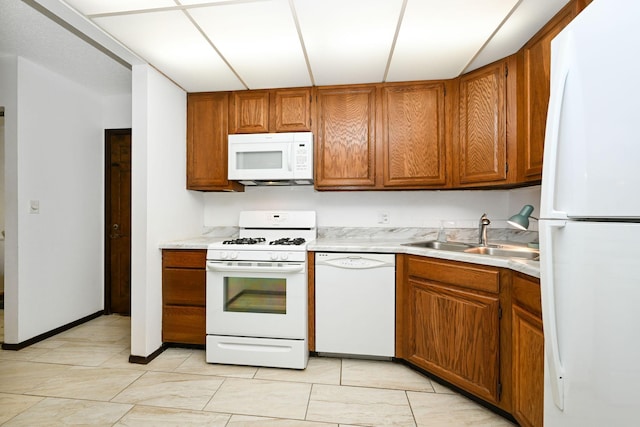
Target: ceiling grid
[[219, 45]]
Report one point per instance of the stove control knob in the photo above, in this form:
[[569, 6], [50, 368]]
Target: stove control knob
[[284, 256], [223, 254], [273, 256], [233, 255]]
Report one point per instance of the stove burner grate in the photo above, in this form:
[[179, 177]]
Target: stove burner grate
[[288, 241], [245, 241]]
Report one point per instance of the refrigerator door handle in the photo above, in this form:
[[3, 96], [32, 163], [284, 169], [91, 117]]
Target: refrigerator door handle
[[552, 135], [554, 364]]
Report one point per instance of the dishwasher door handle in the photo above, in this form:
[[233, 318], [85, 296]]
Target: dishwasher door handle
[[354, 263]]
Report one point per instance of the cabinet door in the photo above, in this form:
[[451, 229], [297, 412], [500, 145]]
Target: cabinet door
[[482, 146], [528, 352], [207, 142], [249, 112], [184, 324], [454, 334], [183, 296], [291, 110], [413, 135], [346, 138], [535, 97]]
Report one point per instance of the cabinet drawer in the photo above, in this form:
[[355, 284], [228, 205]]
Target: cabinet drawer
[[526, 293], [184, 258], [465, 275], [181, 286], [184, 324]]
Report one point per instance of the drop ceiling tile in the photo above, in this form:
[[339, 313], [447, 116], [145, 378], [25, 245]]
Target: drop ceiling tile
[[525, 21], [348, 41], [259, 40], [438, 39], [199, 2], [92, 7], [170, 43]]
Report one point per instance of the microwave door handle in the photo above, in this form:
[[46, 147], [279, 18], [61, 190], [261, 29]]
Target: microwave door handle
[[289, 159]]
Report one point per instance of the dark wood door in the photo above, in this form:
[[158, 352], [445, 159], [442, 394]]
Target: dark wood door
[[118, 221]]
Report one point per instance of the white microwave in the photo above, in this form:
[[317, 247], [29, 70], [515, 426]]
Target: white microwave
[[271, 158]]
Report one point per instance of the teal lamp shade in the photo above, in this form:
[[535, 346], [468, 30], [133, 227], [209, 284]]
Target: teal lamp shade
[[521, 219]]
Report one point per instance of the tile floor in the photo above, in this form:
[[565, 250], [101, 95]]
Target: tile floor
[[82, 377]]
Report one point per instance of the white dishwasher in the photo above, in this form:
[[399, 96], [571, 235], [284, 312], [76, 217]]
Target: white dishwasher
[[355, 303]]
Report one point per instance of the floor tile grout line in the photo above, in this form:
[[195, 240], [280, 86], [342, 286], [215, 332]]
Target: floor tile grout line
[[214, 395], [127, 386], [306, 411], [415, 422]]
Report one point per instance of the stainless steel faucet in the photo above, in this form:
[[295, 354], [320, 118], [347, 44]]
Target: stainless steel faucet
[[482, 229]]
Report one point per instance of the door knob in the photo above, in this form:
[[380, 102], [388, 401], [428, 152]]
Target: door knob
[[114, 231]]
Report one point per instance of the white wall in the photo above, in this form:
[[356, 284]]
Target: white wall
[[117, 111], [1, 203], [54, 156], [9, 100], [161, 207], [461, 209]]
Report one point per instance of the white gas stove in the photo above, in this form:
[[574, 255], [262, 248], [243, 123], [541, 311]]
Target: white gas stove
[[257, 291]]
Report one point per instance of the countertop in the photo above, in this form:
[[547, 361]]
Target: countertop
[[380, 245], [528, 267]]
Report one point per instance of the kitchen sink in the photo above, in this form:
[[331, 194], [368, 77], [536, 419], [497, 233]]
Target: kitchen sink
[[532, 254], [509, 251], [445, 246]]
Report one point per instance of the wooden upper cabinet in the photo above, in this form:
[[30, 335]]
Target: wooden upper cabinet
[[413, 135], [207, 142], [261, 111], [291, 110], [345, 140], [482, 144], [535, 57], [249, 112]]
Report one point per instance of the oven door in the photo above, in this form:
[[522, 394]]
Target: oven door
[[257, 299]]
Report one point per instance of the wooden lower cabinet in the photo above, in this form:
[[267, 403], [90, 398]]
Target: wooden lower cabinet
[[452, 323], [528, 351], [455, 336], [184, 296], [477, 327]]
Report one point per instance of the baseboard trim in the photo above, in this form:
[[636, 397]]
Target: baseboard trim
[[143, 360], [56, 331]]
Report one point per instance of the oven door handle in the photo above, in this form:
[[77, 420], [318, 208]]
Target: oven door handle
[[289, 268]]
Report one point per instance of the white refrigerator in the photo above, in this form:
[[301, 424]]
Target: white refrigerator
[[590, 221]]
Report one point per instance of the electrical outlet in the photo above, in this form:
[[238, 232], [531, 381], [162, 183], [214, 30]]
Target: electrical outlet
[[383, 217]]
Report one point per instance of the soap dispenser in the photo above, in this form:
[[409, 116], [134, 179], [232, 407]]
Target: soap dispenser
[[442, 235]]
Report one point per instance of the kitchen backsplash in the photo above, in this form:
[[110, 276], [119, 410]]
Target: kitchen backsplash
[[400, 233], [426, 233]]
